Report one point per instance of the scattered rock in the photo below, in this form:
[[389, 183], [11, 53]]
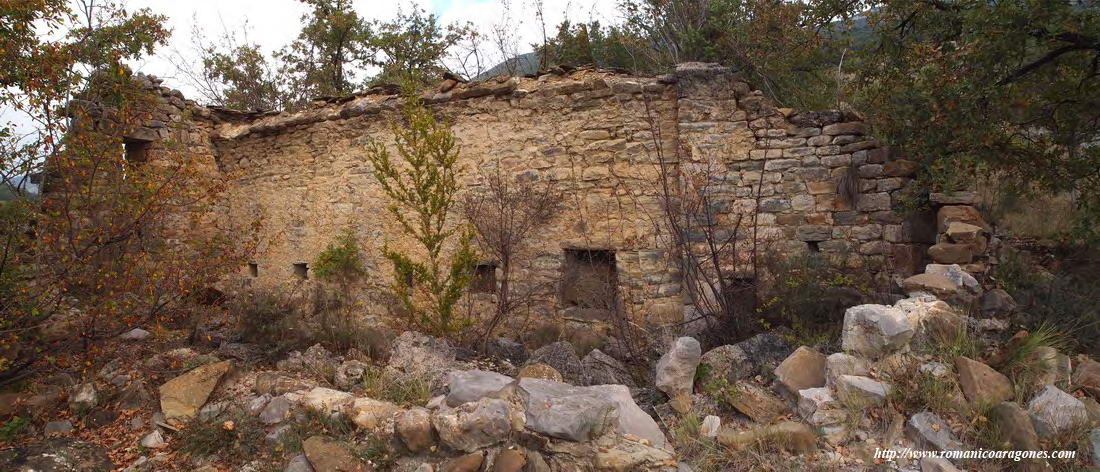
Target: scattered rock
[[818, 407], [562, 357], [1087, 376], [756, 402], [279, 436], [506, 348], [788, 435], [326, 400], [929, 430], [598, 368], [1094, 445], [875, 330], [804, 368], [276, 411], [1054, 411], [564, 411], [256, 405], [510, 460], [273, 383], [245, 352], [58, 428], [710, 426], [57, 455], [474, 426], [84, 398], [766, 350], [997, 302], [350, 373], [632, 419], [414, 427], [935, 369], [728, 362], [136, 334], [181, 397], [298, 463], [841, 363], [414, 352], [1015, 426], [472, 385], [861, 390], [955, 273], [676, 368], [468, 463], [935, 284], [328, 455], [153, 440], [368, 413], [981, 384], [539, 371], [951, 253]]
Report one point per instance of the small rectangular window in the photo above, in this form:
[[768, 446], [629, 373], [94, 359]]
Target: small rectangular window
[[589, 279], [137, 152], [301, 270], [253, 269], [814, 246], [484, 279]]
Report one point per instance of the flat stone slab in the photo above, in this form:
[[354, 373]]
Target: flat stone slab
[[181, 397]]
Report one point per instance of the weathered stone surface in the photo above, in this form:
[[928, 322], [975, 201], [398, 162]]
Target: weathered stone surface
[[84, 398], [676, 368], [466, 463], [955, 273], [414, 427], [136, 334], [472, 385], [818, 407], [57, 428], [981, 384], [474, 426], [506, 348], [562, 357], [276, 411], [1087, 376], [1053, 412], [326, 399], [1094, 445], [929, 430], [804, 368], [766, 350], [728, 362], [273, 383], [951, 253], [861, 390], [57, 455], [182, 396], [936, 464], [788, 435], [329, 455], [875, 330], [935, 284], [418, 353], [598, 368], [961, 213], [954, 198], [539, 371], [1015, 426], [368, 413], [349, 374], [564, 411], [153, 440], [841, 363], [710, 426], [298, 463], [997, 302], [631, 418], [510, 460], [756, 402]]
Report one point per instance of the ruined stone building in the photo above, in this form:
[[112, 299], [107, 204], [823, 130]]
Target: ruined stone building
[[600, 137]]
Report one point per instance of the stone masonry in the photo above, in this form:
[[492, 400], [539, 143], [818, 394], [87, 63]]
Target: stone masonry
[[601, 138]]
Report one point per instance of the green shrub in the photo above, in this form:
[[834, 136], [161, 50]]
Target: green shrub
[[341, 260], [13, 429]]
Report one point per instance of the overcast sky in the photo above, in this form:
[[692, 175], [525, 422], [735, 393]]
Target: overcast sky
[[275, 23]]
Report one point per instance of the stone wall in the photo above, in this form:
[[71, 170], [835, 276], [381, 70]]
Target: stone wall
[[601, 138]]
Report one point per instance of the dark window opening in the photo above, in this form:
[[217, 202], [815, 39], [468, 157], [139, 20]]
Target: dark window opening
[[137, 151], [589, 279], [814, 246], [253, 269], [301, 270], [484, 278]]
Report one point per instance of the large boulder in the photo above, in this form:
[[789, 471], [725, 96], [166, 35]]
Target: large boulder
[[804, 368], [756, 402], [539, 371], [935, 284], [1087, 376], [368, 413], [508, 349], [563, 411], [598, 368], [472, 385], [326, 400], [329, 455], [818, 407], [997, 302], [562, 357], [766, 350], [841, 363], [631, 418], [928, 430], [1054, 411], [859, 390], [414, 427], [474, 426], [181, 397], [981, 384], [676, 368], [875, 330], [1015, 426]]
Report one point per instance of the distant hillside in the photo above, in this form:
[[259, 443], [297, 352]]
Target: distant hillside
[[523, 64]]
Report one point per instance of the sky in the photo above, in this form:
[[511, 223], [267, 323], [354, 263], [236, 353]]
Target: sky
[[275, 23]]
